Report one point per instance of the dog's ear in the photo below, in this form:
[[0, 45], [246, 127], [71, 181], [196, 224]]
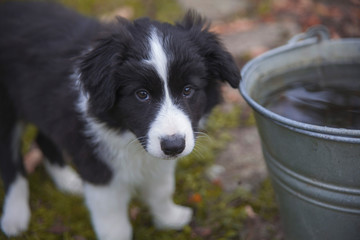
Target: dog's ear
[[219, 62], [97, 68]]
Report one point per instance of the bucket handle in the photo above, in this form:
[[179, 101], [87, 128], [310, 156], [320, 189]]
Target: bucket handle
[[320, 32]]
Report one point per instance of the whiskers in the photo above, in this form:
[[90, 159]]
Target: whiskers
[[136, 144], [199, 148], [198, 151], [202, 135]]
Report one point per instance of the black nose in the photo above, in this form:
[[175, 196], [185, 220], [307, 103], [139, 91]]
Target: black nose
[[172, 145]]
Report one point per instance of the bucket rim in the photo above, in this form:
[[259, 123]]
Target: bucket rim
[[337, 134]]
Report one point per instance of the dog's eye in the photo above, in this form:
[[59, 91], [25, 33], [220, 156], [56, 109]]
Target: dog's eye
[[188, 91], [142, 95]]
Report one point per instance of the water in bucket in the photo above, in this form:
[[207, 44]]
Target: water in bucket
[[325, 96]]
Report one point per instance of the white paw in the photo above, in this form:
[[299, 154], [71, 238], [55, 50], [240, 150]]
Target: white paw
[[15, 220], [176, 218], [108, 208], [65, 179], [16, 210]]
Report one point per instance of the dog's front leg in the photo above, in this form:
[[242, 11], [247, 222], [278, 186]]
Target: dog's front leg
[[157, 191], [108, 205]]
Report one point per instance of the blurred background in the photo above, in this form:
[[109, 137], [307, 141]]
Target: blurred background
[[225, 181]]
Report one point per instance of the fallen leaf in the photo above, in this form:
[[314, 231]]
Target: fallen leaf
[[58, 227], [134, 212], [250, 212], [202, 231], [195, 198]]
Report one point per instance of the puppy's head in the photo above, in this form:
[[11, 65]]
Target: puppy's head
[[157, 80]]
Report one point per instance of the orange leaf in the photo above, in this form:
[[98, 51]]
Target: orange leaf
[[195, 198]]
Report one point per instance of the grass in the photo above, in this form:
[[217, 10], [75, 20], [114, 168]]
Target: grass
[[163, 10]]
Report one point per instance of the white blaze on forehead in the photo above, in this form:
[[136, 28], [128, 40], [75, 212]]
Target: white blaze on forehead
[[157, 56], [170, 119]]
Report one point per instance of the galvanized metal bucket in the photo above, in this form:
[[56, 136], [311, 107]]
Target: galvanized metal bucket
[[315, 170]]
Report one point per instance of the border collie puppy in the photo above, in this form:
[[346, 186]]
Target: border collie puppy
[[123, 100]]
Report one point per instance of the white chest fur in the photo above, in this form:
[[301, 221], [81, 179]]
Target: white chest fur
[[125, 155], [134, 169]]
